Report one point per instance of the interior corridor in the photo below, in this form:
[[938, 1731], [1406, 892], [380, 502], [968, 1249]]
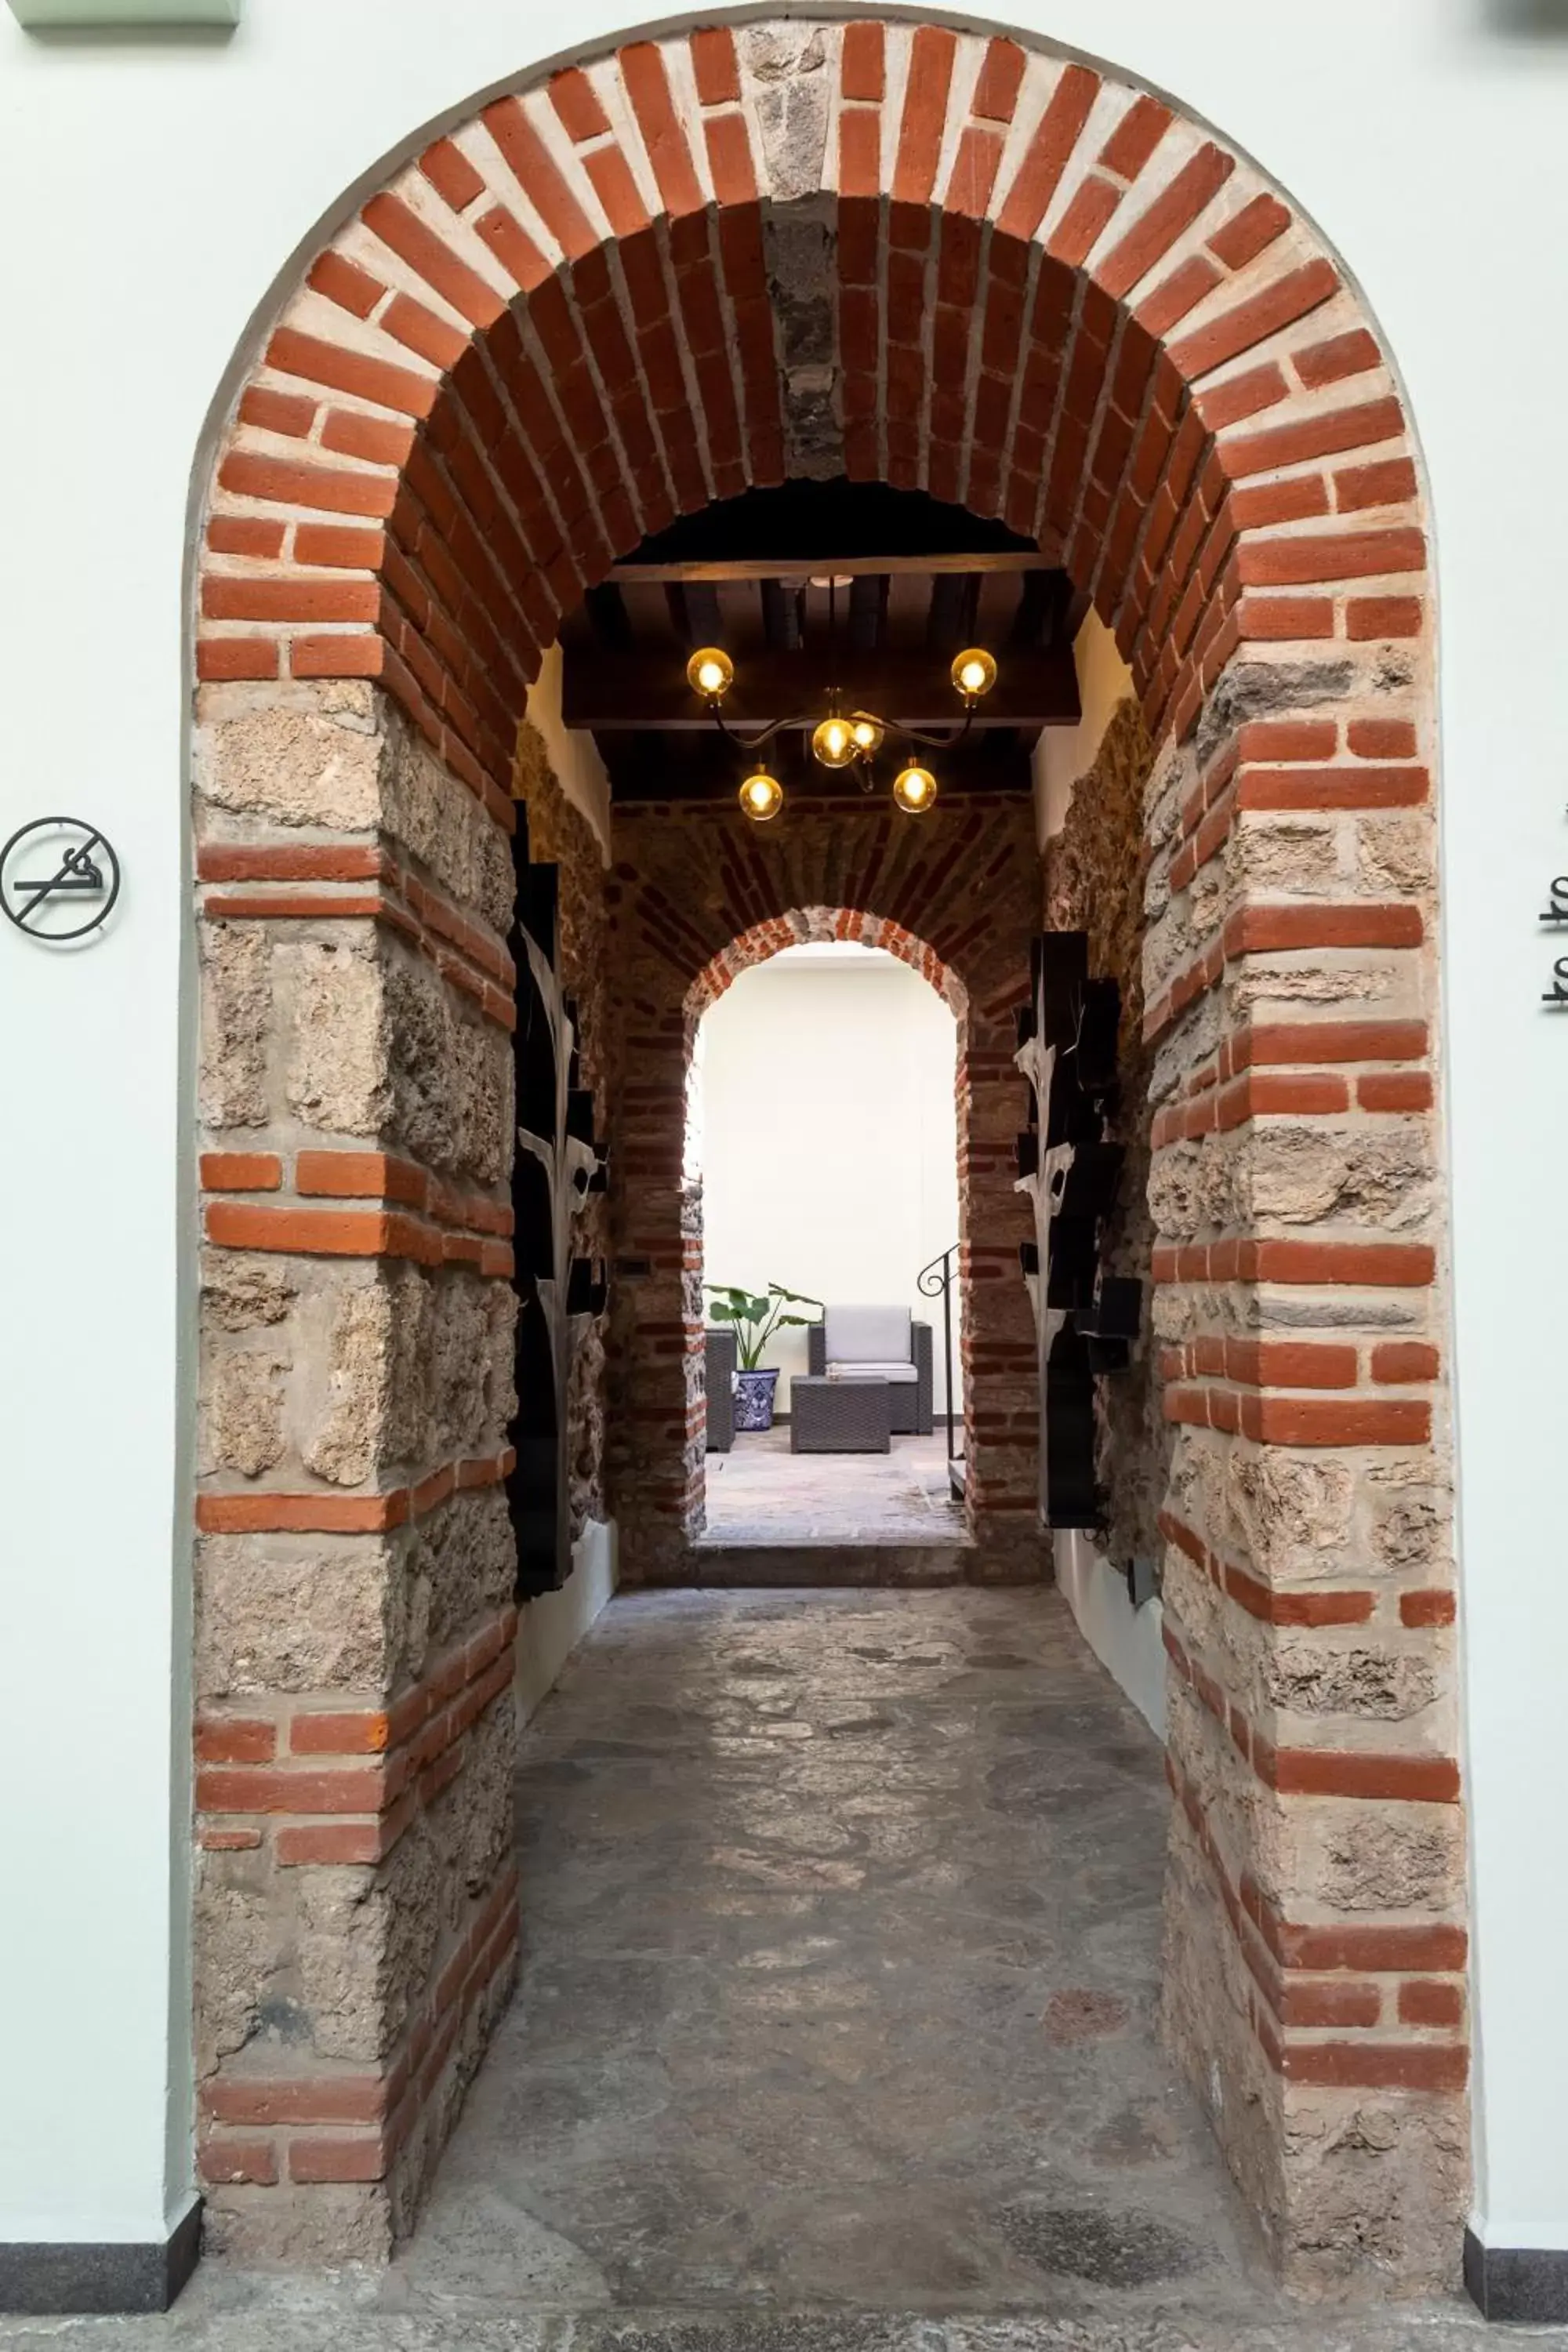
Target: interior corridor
[[840, 1955]]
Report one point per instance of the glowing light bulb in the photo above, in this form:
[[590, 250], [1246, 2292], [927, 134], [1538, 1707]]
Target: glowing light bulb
[[761, 797], [975, 673], [867, 735], [914, 789], [834, 741], [710, 673]]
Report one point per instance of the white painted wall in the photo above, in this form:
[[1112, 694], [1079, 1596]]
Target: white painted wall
[[1125, 1639], [156, 192], [573, 754], [550, 1628], [1063, 753], [825, 1129]]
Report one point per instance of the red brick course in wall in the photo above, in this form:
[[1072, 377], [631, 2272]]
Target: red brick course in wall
[[697, 895], [1045, 295]]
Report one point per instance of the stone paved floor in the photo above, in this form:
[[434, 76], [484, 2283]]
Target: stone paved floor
[[842, 1918], [835, 2029], [760, 1493]]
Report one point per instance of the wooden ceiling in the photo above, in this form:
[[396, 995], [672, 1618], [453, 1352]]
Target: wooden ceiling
[[913, 582]]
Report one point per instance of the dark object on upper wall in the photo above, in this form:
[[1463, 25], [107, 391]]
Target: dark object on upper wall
[[126, 15], [1526, 20], [558, 1163], [1086, 1322]]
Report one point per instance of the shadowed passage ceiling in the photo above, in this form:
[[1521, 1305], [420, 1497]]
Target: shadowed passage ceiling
[[809, 588]]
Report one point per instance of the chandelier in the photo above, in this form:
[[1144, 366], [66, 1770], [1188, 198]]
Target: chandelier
[[841, 738]]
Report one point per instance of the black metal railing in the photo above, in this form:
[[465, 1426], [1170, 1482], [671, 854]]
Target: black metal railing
[[939, 1280]]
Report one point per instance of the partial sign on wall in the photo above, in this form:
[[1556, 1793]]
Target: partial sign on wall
[[122, 16]]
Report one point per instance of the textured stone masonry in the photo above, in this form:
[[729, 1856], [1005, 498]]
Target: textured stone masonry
[[355, 1908]]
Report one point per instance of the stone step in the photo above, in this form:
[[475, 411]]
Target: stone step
[[748, 1564]]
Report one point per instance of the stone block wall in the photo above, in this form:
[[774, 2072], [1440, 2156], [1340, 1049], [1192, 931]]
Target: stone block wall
[[356, 1903], [695, 895], [1315, 1908]]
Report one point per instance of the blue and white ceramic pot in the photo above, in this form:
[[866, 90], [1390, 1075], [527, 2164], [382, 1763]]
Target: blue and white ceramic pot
[[755, 1399]]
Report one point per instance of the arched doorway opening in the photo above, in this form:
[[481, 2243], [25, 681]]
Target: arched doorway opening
[[980, 969], [824, 1101], [961, 263]]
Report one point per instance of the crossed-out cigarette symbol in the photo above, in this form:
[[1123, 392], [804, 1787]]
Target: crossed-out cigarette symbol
[[79, 874]]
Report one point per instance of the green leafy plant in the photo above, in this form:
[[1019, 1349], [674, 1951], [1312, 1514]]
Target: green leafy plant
[[756, 1319]]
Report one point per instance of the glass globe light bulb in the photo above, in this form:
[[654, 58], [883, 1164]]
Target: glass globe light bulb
[[975, 673], [761, 797], [914, 789], [833, 742], [710, 673], [867, 736]]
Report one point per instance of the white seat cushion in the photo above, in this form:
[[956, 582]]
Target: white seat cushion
[[904, 1371], [866, 1335]]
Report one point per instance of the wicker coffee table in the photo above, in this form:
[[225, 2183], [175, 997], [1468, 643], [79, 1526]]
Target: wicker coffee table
[[839, 1416]]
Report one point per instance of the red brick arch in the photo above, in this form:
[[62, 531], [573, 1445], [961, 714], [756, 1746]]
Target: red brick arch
[[955, 262], [1053, 300], [804, 925]]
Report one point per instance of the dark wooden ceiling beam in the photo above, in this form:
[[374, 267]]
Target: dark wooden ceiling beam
[[822, 567], [950, 623], [694, 611], [868, 622], [782, 616], [608, 620], [652, 780], [1041, 610], [610, 691]]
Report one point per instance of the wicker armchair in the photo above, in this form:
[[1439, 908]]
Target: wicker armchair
[[719, 1382], [884, 1343]]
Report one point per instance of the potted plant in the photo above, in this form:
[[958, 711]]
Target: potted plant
[[755, 1319]]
